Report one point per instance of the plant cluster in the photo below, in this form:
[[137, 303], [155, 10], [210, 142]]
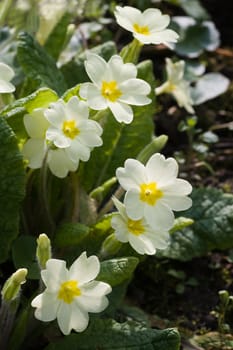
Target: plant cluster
[[80, 161]]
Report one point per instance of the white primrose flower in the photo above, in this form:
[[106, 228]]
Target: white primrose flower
[[71, 130], [153, 190], [36, 147], [64, 132], [140, 235], [71, 294], [6, 74], [115, 86], [148, 27], [177, 85]]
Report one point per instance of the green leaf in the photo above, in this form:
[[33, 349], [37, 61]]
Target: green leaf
[[12, 184], [38, 64], [212, 212], [115, 271], [56, 40], [110, 335], [24, 255], [70, 234], [121, 141], [74, 71], [209, 86], [194, 9], [194, 37], [15, 112], [90, 242]]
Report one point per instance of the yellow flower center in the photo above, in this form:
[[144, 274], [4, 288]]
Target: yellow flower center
[[141, 29], [110, 90], [149, 193], [68, 291], [135, 227], [171, 87], [70, 129]]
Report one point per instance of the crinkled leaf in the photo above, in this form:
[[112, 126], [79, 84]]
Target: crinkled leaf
[[24, 255], [110, 335], [74, 71], [38, 64], [12, 183], [90, 242], [14, 112], [116, 271], [212, 212], [121, 141], [209, 86], [195, 37]]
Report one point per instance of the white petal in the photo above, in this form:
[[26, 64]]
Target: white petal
[[78, 151], [36, 124], [183, 97], [154, 19], [95, 68], [96, 289], [160, 239], [178, 187], [138, 86], [177, 203], [70, 316], [132, 175], [90, 135], [121, 71], [6, 87], [175, 71], [141, 244], [47, 305], [133, 205], [57, 137], [121, 111], [134, 92], [6, 72], [161, 170], [119, 224], [93, 95], [34, 150], [136, 100], [126, 16], [85, 269], [164, 88], [93, 304], [60, 164], [56, 114], [159, 216], [54, 274], [162, 37], [76, 109]]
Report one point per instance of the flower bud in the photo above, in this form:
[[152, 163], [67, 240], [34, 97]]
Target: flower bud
[[11, 287], [43, 250], [156, 145], [110, 245]]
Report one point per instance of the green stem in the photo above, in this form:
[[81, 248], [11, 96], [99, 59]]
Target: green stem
[[7, 316], [44, 191], [130, 53], [109, 205], [76, 197], [4, 9]]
